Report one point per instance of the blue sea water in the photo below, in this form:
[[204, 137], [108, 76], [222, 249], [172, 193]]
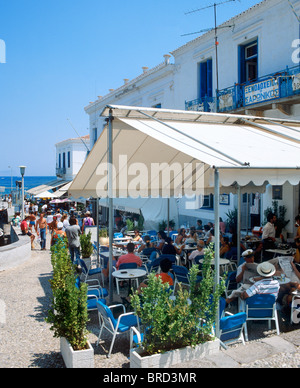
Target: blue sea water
[[29, 182]]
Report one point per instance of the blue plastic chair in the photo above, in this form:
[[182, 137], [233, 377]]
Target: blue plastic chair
[[231, 329], [87, 272], [93, 295], [230, 283], [182, 276], [261, 307], [118, 235], [115, 326]]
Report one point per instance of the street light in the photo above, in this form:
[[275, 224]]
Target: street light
[[11, 179], [22, 171]]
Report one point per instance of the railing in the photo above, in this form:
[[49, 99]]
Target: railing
[[272, 87], [60, 172], [206, 104]]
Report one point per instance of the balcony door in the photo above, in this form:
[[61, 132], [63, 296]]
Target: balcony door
[[206, 81], [248, 62]]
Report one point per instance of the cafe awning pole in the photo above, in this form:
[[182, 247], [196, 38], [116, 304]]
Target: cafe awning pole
[[217, 243], [110, 201]]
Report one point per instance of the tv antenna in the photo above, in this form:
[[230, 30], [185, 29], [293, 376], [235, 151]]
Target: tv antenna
[[216, 28], [80, 137]]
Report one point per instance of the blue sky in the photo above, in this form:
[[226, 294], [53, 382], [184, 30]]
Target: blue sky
[[62, 54]]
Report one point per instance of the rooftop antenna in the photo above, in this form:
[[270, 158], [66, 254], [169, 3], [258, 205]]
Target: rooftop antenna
[[215, 5], [80, 137]]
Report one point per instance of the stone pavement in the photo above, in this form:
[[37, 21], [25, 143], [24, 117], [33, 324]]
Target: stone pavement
[[273, 352]]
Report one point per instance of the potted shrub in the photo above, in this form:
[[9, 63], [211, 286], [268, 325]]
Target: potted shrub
[[177, 330], [68, 315], [86, 247], [103, 237]]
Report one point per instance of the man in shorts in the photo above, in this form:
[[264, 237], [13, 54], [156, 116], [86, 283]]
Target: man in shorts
[[42, 225], [25, 231]]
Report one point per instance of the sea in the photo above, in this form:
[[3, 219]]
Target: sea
[[7, 182]]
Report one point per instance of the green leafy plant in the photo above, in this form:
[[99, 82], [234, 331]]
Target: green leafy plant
[[130, 224], [188, 320], [68, 315], [164, 224], [103, 233], [232, 216], [86, 245]]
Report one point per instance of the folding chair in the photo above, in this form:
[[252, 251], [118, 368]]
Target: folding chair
[[231, 328], [115, 326], [261, 307]]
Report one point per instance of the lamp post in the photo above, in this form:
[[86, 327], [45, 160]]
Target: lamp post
[[22, 171]]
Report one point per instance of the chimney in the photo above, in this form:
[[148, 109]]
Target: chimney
[[167, 59], [111, 90], [126, 80], [145, 69]]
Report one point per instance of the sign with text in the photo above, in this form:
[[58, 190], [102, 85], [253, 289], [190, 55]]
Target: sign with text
[[261, 91]]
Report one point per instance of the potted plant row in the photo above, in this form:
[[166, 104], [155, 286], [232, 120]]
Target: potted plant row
[[179, 330], [68, 315]]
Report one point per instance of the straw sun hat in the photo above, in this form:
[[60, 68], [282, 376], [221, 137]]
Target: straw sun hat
[[266, 269]]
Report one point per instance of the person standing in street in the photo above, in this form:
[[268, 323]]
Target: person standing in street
[[41, 226], [73, 233]]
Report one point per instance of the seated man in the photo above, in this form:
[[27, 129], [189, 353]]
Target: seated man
[[165, 275], [265, 284], [244, 272], [130, 257], [25, 231]]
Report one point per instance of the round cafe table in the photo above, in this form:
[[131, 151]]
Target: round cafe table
[[128, 274], [222, 263]]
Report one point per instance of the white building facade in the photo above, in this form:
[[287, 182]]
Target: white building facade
[[70, 156], [254, 69]]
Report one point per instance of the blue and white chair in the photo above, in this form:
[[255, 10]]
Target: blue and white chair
[[88, 272], [231, 328], [115, 326], [261, 307]]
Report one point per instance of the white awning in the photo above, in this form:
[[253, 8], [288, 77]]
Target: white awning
[[47, 187], [247, 150], [46, 195]]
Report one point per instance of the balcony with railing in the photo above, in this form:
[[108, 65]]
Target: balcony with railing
[[60, 172], [282, 87]]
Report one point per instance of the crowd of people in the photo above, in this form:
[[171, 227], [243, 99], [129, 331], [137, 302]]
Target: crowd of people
[[60, 225]]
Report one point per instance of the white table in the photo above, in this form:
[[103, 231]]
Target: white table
[[128, 274], [222, 263], [282, 252]]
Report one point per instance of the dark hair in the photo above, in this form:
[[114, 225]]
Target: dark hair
[[163, 234], [130, 247], [168, 240], [270, 216], [72, 221], [165, 265], [297, 218], [206, 227], [226, 240]]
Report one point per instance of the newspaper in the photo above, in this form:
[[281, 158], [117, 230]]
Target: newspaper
[[285, 264]]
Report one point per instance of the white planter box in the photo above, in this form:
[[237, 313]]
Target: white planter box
[[79, 359], [173, 357]]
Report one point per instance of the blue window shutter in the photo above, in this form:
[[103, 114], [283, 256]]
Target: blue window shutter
[[241, 62], [209, 78], [203, 79]]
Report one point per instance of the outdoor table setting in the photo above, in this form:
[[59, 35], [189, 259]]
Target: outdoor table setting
[[282, 250], [129, 274], [223, 263], [283, 279]]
